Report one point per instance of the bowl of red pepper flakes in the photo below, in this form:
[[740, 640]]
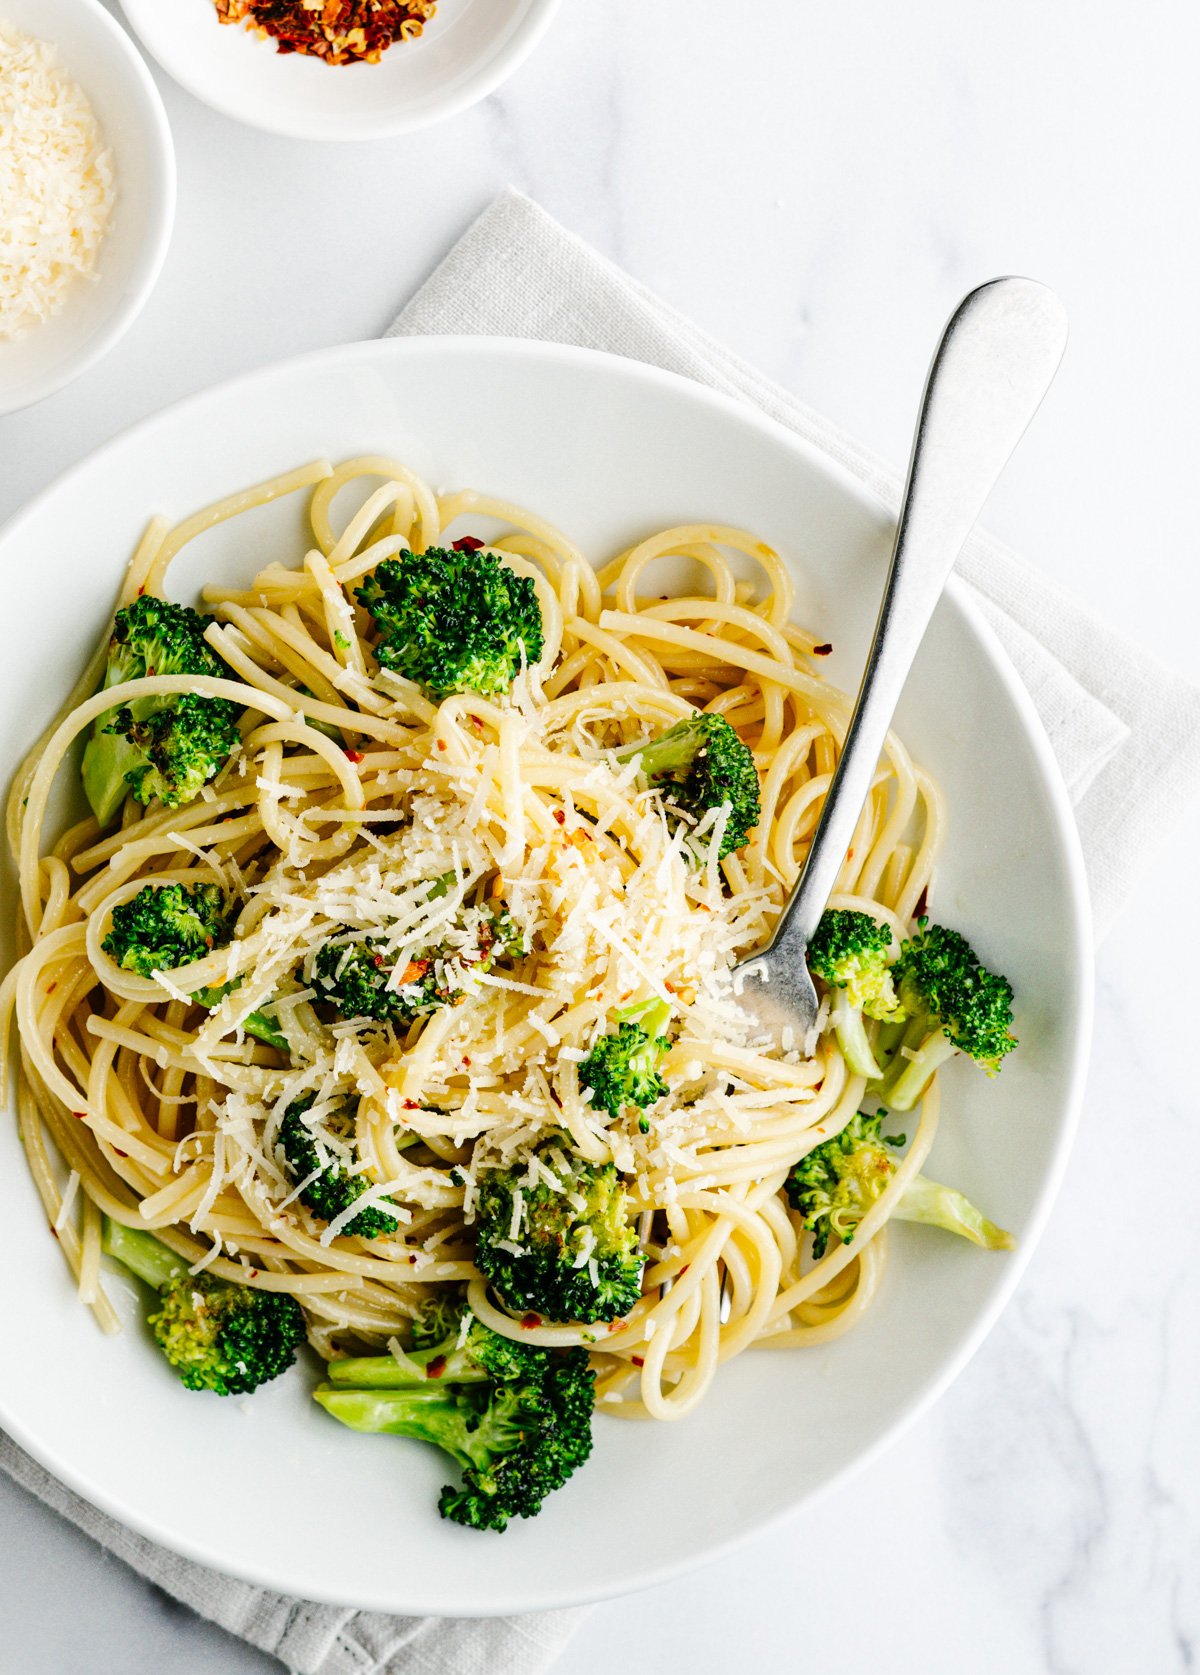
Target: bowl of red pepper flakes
[[335, 31], [339, 69]]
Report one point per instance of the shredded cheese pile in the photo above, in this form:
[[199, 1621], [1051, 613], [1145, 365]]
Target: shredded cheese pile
[[56, 183], [612, 909]]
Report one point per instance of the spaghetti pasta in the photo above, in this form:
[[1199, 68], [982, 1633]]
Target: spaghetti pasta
[[349, 791]]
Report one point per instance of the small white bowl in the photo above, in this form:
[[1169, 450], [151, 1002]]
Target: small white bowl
[[466, 51], [97, 312]]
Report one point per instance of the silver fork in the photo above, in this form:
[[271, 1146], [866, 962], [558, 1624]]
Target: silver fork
[[995, 362]]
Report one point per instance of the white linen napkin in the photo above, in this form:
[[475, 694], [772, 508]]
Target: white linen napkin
[[1125, 730]]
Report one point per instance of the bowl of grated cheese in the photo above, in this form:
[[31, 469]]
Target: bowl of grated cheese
[[87, 191]]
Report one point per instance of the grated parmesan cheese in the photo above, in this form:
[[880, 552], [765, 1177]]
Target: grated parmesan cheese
[[56, 183]]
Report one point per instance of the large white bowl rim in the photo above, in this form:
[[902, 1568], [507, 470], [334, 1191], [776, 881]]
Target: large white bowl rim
[[609, 447]]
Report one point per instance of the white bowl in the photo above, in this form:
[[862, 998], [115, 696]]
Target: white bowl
[[97, 313], [609, 450], [466, 51]]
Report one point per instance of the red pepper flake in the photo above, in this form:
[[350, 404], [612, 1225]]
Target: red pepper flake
[[411, 1105], [50, 987], [530, 1322], [336, 31], [413, 972], [466, 1062], [922, 907], [80, 1116], [254, 1273], [468, 544], [616, 1325], [560, 816], [441, 744], [683, 1270], [436, 1367], [638, 1360], [352, 755], [119, 1152], [822, 651]]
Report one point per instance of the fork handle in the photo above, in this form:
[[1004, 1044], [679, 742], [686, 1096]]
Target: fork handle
[[994, 364]]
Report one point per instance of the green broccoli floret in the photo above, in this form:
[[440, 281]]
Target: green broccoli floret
[[848, 951], [217, 1335], [574, 1261], [169, 925], [953, 1004], [837, 1183], [517, 1419], [336, 1187], [453, 620], [701, 764], [358, 978], [157, 747], [622, 1068]]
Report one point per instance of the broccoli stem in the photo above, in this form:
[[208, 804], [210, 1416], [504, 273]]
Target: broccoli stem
[[389, 1372], [908, 1078], [672, 752], [851, 1032], [257, 1024], [265, 1029], [935, 1205], [887, 1039], [428, 1414], [652, 1015], [145, 1256], [107, 761]]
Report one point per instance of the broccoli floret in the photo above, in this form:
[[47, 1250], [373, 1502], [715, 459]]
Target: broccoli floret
[[837, 1183], [848, 951], [701, 764], [217, 1335], [453, 620], [953, 1004], [358, 978], [164, 747], [622, 1068], [575, 1262], [169, 925], [335, 1188], [517, 1419]]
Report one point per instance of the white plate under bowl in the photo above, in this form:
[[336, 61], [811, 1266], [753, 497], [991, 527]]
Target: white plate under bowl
[[467, 49], [609, 450], [97, 312]]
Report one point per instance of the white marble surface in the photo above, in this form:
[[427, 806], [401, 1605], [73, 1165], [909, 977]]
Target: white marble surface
[[816, 185]]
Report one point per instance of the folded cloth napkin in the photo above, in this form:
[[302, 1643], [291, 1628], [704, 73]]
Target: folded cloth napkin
[[1125, 730]]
